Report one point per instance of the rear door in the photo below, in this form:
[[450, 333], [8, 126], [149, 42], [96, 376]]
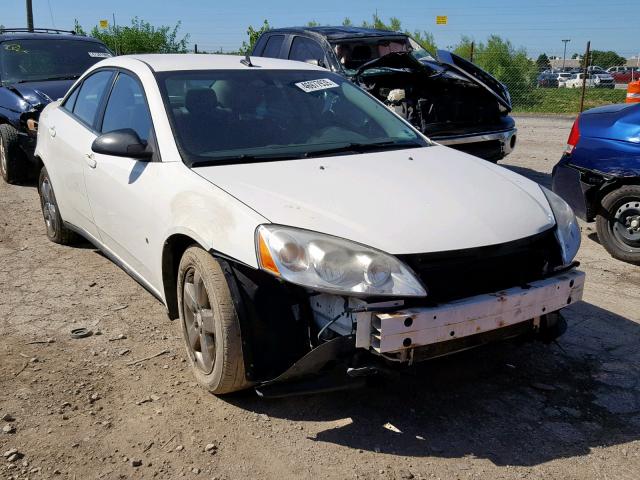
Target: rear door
[[71, 131]]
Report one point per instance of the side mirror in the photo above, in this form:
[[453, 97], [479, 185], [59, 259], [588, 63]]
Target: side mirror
[[122, 143]]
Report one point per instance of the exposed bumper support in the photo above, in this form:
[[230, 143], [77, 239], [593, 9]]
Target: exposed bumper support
[[406, 329]]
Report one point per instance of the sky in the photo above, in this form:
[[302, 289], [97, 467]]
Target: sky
[[539, 26]]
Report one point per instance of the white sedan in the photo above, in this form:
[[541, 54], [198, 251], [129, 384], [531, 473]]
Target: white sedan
[[292, 222]]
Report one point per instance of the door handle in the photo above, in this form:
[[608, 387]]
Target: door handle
[[52, 131], [91, 161]]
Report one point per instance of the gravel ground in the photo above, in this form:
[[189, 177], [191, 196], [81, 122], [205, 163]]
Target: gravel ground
[[77, 409]]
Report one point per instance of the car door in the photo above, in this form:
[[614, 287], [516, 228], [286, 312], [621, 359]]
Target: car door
[[121, 189], [71, 131]]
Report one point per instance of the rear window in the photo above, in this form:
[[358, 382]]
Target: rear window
[[33, 60]]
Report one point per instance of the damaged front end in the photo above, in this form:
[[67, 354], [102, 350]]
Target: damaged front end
[[298, 340], [450, 100]]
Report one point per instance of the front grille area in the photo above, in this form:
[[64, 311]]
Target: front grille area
[[489, 150], [463, 273]]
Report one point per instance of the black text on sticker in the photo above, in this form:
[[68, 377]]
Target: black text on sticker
[[313, 85]]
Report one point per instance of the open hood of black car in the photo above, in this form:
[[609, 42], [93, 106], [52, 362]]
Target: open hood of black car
[[447, 60], [41, 93], [477, 75]]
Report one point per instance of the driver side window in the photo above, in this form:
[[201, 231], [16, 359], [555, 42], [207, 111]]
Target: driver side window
[[127, 108]]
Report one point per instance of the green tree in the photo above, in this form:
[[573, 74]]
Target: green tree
[[253, 34], [425, 39], [509, 65], [463, 48], [606, 59], [347, 22], [543, 62], [313, 23], [141, 37], [78, 28]]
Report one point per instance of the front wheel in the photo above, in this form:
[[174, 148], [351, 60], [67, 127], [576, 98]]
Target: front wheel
[[618, 225], [210, 325], [12, 161]]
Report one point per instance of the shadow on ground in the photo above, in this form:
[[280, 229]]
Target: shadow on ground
[[542, 178], [512, 404]]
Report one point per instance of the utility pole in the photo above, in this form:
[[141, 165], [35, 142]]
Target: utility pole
[[584, 74], [30, 15], [564, 55]]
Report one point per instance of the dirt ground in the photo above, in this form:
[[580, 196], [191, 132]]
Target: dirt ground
[[569, 410]]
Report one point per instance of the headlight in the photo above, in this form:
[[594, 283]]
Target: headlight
[[567, 229], [331, 264]]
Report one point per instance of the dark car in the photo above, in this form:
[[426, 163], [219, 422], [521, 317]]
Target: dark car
[[599, 176], [449, 99], [548, 80], [36, 68]]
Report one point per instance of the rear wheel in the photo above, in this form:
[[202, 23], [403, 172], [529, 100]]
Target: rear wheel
[[12, 162], [618, 225], [56, 231], [210, 325]]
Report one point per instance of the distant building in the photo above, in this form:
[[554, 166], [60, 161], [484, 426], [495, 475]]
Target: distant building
[[633, 61], [556, 63]]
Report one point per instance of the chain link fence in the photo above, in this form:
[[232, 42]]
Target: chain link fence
[[554, 82]]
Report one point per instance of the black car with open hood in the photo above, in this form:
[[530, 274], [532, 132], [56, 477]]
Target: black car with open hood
[[448, 98], [36, 68]]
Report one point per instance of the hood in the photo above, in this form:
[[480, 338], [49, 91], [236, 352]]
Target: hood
[[405, 201], [469, 71], [477, 75], [42, 93]]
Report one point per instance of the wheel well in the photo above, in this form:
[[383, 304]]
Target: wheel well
[[608, 187], [174, 248]]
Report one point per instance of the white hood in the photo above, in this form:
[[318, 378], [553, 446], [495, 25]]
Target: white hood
[[404, 201]]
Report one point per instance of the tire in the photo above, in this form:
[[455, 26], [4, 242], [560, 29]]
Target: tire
[[618, 223], [56, 231], [210, 325], [12, 159]]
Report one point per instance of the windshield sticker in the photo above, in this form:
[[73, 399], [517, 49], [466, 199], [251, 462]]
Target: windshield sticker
[[100, 54], [315, 85]]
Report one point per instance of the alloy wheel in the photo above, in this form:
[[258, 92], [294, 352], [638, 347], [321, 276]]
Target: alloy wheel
[[198, 321], [49, 210]]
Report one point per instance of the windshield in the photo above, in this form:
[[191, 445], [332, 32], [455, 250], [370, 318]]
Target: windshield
[[230, 116], [50, 59], [352, 54]]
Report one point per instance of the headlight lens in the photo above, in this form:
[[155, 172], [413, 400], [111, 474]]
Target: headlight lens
[[331, 264], [567, 229]]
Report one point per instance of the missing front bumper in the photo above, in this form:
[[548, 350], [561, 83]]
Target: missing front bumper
[[402, 331]]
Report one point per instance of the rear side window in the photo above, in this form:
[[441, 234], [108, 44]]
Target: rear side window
[[127, 108], [304, 50], [90, 95], [274, 44], [71, 101]]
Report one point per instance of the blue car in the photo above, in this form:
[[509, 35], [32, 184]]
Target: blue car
[[599, 176]]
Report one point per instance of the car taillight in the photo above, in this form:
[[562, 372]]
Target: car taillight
[[574, 137]]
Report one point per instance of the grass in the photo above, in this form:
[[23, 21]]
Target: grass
[[564, 100]]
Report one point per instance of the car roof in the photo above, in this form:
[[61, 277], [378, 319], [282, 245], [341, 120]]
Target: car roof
[[166, 62], [44, 36], [338, 33]]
